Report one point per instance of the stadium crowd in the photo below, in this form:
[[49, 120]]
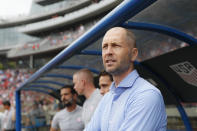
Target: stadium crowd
[[10, 79], [55, 40], [67, 36]]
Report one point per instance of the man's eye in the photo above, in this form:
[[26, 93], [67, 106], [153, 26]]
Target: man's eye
[[104, 47], [116, 45]]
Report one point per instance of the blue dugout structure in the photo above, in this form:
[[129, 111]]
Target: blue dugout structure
[[164, 69]]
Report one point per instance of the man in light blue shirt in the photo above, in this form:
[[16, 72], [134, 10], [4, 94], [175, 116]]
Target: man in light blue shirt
[[133, 104]]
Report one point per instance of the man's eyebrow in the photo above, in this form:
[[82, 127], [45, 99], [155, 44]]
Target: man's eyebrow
[[64, 94], [104, 43]]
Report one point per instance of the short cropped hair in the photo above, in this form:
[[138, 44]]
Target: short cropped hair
[[105, 73], [131, 36], [70, 87], [87, 74], [6, 103]]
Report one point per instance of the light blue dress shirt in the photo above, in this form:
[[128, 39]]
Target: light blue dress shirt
[[135, 105]]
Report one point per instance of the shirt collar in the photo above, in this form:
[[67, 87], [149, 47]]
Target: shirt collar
[[127, 81]]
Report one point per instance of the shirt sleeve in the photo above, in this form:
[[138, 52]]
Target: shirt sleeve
[[145, 112], [55, 122]]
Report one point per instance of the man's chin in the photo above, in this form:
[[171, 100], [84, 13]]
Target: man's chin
[[114, 72], [79, 93], [67, 104], [110, 70]]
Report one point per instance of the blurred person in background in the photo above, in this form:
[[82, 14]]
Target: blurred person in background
[[9, 118], [1, 120], [105, 80], [84, 85], [36, 117], [69, 118]]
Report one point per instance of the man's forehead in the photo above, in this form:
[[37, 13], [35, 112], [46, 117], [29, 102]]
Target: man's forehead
[[104, 77], [115, 34], [115, 31], [75, 76], [119, 34], [120, 29], [66, 90]]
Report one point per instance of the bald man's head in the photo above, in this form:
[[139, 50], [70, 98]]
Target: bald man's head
[[127, 34], [119, 51], [85, 74], [82, 80]]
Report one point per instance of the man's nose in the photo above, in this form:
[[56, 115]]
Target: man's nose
[[109, 50]]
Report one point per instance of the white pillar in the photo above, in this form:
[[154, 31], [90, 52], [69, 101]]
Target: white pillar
[[31, 61]]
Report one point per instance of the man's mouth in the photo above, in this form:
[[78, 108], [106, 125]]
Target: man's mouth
[[65, 101], [110, 61]]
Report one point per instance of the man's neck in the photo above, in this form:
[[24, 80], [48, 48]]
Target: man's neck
[[118, 78], [71, 108], [89, 92]]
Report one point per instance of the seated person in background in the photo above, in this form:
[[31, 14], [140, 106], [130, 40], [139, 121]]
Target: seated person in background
[[69, 118], [105, 80]]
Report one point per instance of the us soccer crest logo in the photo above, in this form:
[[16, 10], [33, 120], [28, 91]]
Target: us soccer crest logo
[[186, 71]]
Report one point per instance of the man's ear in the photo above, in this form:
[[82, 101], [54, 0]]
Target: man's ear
[[83, 82], [134, 54]]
